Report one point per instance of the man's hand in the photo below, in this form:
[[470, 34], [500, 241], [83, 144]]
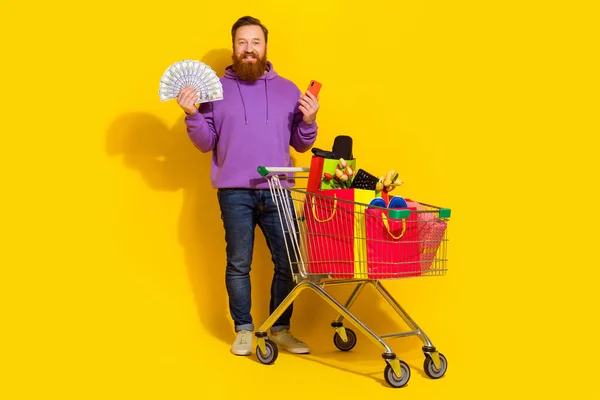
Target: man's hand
[[186, 100], [309, 105]]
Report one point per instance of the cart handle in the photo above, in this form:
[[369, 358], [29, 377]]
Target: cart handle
[[264, 171]]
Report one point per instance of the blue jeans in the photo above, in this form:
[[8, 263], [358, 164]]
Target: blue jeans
[[241, 211]]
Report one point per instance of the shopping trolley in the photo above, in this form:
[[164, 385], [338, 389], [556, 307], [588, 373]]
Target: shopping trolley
[[332, 241]]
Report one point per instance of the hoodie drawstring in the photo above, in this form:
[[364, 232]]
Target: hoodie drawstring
[[267, 98], [244, 104]]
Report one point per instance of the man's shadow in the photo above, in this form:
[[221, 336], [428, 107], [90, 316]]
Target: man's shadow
[[167, 160]]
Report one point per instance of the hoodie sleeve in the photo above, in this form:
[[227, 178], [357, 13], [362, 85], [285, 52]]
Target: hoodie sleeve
[[303, 134], [201, 128]]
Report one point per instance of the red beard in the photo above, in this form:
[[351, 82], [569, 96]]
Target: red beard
[[249, 71]]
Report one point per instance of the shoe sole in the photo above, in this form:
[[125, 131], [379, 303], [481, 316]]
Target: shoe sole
[[297, 351], [241, 352]]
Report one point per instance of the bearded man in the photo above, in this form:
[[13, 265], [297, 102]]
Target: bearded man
[[259, 118]]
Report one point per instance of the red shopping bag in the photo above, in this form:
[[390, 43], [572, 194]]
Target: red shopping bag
[[330, 233], [335, 232], [392, 245]]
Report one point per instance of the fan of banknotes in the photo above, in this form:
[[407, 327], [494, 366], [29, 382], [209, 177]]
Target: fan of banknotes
[[194, 74]]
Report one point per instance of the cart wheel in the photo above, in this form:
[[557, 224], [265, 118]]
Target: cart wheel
[[271, 355], [392, 379], [345, 346], [430, 368]]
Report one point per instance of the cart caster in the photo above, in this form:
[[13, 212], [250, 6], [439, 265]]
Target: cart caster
[[271, 352], [394, 380], [349, 344], [430, 368]]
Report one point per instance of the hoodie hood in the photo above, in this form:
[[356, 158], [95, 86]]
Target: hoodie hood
[[265, 78]]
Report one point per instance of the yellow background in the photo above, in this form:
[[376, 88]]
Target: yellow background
[[112, 249]]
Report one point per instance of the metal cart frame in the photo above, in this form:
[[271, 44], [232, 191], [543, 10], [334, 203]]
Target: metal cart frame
[[397, 372]]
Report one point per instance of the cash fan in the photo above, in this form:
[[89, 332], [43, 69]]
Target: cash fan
[[194, 74]]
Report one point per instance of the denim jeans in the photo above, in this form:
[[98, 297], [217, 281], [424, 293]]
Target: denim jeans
[[241, 211]]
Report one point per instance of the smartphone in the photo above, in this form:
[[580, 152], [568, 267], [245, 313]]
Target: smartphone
[[314, 87]]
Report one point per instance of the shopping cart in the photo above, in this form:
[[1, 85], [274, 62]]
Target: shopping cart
[[331, 241]]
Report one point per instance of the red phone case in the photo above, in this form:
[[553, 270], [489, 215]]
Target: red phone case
[[314, 87]]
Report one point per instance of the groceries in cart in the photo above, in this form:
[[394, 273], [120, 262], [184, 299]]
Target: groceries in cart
[[337, 169], [356, 228], [342, 148], [343, 176]]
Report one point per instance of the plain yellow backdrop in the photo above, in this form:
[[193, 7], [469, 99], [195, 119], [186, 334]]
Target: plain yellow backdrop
[[112, 254]]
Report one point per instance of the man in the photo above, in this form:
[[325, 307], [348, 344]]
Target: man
[[261, 115]]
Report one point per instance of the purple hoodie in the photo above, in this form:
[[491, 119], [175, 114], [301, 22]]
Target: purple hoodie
[[255, 124]]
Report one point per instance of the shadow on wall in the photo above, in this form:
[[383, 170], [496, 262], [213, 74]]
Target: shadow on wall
[[168, 161]]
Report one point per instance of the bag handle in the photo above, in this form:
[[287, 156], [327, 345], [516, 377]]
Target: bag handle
[[312, 201], [386, 224]]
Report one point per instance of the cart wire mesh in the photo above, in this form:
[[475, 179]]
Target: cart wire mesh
[[331, 237]]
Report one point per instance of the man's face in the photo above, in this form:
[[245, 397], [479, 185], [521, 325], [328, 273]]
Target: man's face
[[249, 52]]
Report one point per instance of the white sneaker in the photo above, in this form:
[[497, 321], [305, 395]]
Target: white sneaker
[[243, 344], [286, 341]]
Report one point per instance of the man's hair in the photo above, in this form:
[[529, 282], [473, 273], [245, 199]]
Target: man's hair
[[248, 20]]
